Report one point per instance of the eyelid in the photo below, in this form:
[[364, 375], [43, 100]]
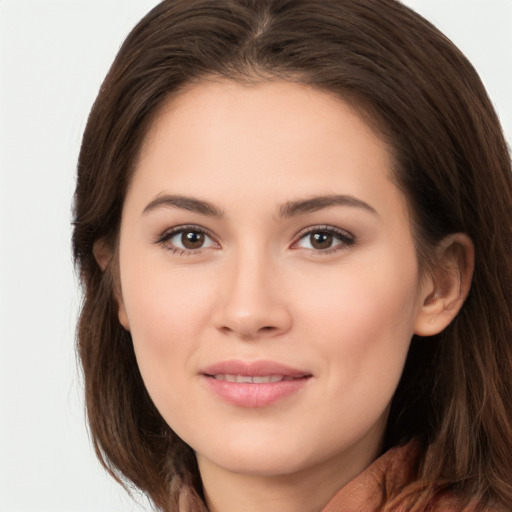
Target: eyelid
[[347, 238], [164, 238]]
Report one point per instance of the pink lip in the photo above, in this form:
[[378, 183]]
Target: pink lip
[[254, 394]]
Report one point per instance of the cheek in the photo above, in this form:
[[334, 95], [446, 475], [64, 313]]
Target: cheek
[[362, 325], [363, 317], [167, 313], [162, 304]]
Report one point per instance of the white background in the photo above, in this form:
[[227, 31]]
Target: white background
[[53, 56]]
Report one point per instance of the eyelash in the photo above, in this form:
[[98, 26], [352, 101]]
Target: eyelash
[[170, 234], [346, 239]]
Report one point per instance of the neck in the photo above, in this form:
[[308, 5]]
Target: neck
[[303, 491]]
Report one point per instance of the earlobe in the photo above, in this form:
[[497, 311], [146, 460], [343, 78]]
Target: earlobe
[[121, 313], [103, 253], [448, 285]]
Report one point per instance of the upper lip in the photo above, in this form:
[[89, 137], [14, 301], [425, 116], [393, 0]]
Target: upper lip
[[253, 368]]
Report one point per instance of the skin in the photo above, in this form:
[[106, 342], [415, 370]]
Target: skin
[[256, 287]]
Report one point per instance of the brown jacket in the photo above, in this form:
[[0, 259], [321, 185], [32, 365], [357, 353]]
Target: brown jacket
[[389, 476]]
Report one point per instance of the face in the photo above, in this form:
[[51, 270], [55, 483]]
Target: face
[[268, 277]]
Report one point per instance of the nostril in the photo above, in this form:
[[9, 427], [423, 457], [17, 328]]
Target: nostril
[[249, 323], [249, 333]]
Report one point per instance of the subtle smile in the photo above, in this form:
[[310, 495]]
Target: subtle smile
[[253, 384], [264, 379]]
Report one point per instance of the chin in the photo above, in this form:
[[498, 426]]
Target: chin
[[268, 464]]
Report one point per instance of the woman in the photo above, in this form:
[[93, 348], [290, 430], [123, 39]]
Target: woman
[[293, 227]]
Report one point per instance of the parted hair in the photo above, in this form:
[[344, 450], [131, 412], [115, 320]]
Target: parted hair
[[451, 162]]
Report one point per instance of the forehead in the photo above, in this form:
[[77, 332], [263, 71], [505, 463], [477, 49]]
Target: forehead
[[259, 142]]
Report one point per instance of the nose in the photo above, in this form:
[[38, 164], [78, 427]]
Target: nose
[[253, 302]]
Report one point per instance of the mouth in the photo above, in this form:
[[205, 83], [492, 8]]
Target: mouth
[[248, 379], [254, 384]]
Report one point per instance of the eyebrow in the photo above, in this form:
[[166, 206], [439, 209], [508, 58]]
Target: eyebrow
[[185, 203], [289, 209], [313, 204]]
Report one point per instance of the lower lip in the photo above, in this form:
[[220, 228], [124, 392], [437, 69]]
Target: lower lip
[[255, 395]]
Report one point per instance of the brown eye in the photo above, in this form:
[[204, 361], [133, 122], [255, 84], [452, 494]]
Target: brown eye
[[325, 239], [192, 239], [187, 240], [321, 240]]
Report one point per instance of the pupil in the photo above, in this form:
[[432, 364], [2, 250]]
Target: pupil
[[321, 240], [192, 240]]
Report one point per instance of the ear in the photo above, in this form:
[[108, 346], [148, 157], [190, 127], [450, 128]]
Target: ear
[[447, 286], [107, 260], [102, 252]]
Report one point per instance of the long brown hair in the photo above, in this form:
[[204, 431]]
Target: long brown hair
[[452, 163]]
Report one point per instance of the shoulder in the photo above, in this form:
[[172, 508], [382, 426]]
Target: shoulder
[[391, 484]]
